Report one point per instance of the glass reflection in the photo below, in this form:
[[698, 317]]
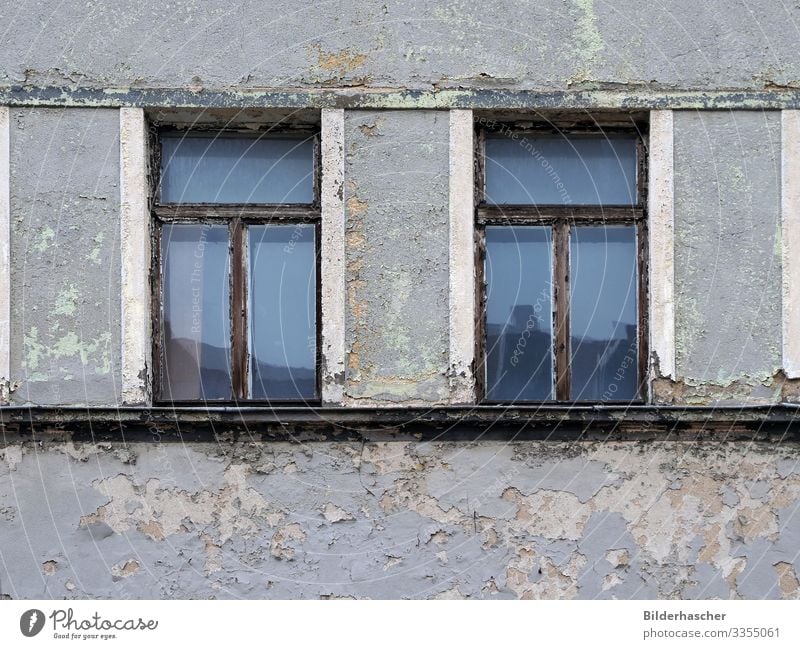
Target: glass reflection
[[196, 321], [237, 169], [519, 323], [282, 312], [603, 313], [553, 170]]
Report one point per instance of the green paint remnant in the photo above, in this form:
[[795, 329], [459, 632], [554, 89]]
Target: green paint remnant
[[95, 255], [34, 350], [67, 301], [96, 352], [45, 239], [397, 336], [587, 32], [588, 36], [70, 345]]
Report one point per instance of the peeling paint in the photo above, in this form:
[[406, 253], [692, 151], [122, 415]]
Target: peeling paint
[[125, 569], [396, 286], [340, 62], [587, 33], [522, 520], [727, 304], [333, 513], [403, 45], [65, 329]]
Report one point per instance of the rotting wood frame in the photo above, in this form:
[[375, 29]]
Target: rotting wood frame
[[238, 216], [561, 218]]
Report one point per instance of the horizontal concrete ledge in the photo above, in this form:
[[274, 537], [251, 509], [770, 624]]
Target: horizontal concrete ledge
[[557, 422], [624, 97]]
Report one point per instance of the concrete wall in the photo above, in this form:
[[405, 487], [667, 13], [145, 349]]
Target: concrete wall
[[401, 518], [548, 44], [65, 272], [65, 322], [728, 255], [396, 209]]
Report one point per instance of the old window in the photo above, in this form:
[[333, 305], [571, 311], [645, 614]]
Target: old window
[[561, 234], [236, 243]]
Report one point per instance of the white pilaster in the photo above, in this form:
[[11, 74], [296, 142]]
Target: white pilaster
[[661, 211], [790, 238], [462, 257], [333, 257], [135, 258]]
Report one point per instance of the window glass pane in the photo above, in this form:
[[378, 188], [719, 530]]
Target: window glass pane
[[283, 313], [237, 169], [553, 170], [196, 336], [519, 323], [603, 313]]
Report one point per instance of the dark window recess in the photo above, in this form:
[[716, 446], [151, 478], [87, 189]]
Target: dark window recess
[[237, 280], [561, 235]]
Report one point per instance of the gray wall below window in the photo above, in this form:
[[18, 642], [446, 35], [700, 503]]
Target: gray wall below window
[[399, 519], [65, 268]]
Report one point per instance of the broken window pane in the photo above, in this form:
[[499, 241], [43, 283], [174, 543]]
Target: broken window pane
[[603, 312], [560, 170], [283, 317], [225, 169], [196, 323], [519, 323]]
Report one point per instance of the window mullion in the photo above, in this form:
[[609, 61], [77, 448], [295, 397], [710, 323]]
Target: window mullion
[[561, 311], [238, 311]]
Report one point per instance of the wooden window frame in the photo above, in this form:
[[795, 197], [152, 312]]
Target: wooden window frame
[[561, 218], [237, 216]]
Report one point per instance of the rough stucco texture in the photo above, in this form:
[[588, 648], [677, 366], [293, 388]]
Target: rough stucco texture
[[65, 288], [393, 520], [553, 44], [727, 254], [396, 251]]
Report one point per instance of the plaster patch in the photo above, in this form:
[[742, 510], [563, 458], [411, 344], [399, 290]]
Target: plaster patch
[[335, 514], [125, 569]]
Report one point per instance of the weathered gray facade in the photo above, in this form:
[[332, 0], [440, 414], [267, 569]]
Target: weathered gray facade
[[65, 234], [398, 489], [728, 303]]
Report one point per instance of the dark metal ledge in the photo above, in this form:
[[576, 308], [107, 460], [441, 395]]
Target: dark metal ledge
[[468, 423], [617, 97]]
